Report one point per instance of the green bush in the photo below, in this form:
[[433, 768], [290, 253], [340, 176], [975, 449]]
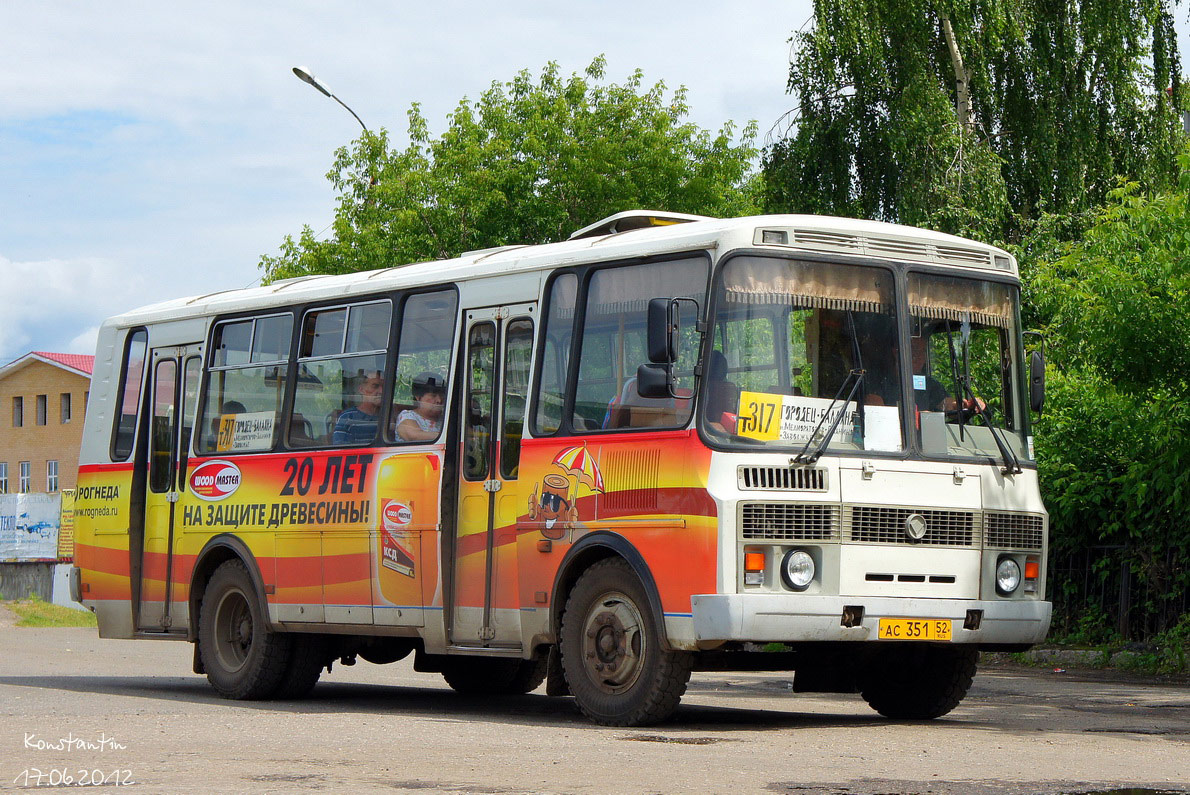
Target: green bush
[[1114, 444]]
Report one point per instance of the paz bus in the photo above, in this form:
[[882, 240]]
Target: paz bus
[[667, 444]]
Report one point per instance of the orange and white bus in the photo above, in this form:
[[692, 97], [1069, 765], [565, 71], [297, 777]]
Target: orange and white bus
[[669, 443]]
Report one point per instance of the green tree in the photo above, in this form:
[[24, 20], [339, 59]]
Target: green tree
[[976, 116], [1113, 448], [529, 162]]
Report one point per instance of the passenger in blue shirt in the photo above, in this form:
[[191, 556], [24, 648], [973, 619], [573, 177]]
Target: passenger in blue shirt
[[357, 425]]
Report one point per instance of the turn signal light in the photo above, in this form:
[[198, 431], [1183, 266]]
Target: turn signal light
[[754, 568], [1032, 569]]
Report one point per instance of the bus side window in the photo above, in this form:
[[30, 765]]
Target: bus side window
[[135, 350], [338, 393], [428, 322], [241, 404], [555, 356], [613, 345]]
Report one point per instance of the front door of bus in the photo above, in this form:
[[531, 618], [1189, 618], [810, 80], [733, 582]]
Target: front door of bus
[[485, 608], [174, 376]]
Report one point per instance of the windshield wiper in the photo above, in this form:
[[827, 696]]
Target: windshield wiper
[[801, 458], [1012, 465]]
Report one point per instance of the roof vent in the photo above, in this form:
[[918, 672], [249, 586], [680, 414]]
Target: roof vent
[[635, 219]]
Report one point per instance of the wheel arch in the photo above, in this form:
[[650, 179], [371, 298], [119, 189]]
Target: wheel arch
[[214, 554], [590, 549]]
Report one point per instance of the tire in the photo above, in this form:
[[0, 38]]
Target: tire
[[477, 676], [243, 658], [612, 652], [917, 682], [308, 655], [384, 651]]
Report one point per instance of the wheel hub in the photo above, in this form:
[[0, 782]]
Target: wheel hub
[[612, 646], [233, 631]]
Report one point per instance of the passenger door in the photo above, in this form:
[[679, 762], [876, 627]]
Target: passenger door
[[174, 379], [485, 604]]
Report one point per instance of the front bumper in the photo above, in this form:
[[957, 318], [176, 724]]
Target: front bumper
[[788, 618]]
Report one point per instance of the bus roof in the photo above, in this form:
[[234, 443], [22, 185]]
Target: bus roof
[[848, 236]]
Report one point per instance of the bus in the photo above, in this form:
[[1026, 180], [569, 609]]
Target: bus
[[667, 444]]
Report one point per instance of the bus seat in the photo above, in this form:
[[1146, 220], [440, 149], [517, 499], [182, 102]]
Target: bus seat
[[630, 410], [723, 396], [301, 431]]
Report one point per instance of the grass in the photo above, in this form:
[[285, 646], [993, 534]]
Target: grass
[[33, 612]]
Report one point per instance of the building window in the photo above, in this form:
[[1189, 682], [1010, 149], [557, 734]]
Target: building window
[[42, 409], [18, 412], [4, 477], [23, 485], [64, 407], [51, 476]]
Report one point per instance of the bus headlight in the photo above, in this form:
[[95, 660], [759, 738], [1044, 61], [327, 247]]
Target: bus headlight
[[1008, 576], [797, 569]]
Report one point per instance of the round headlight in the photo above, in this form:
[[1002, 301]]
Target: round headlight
[[1008, 576], [797, 569]]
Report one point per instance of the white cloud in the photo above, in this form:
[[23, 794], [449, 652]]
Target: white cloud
[[46, 303], [83, 342]]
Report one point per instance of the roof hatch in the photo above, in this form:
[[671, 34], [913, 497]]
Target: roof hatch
[[635, 219]]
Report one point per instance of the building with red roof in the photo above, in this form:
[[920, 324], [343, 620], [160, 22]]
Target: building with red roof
[[43, 399]]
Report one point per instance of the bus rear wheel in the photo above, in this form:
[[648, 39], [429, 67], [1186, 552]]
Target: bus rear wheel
[[612, 654], [243, 658], [478, 676], [917, 682]]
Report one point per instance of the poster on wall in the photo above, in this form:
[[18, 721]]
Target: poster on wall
[[29, 526], [66, 526]]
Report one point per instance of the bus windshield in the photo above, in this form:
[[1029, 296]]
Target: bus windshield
[[806, 356], [967, 384], [796, 345]]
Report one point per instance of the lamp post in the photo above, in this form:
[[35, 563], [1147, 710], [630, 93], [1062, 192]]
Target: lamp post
[[306, 77]]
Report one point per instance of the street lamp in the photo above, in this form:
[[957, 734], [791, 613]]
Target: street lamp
[[306, 77]]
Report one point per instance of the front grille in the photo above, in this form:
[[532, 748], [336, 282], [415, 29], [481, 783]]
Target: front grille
[[781, 478], [787, 521], [887, 526], [1014, 530]]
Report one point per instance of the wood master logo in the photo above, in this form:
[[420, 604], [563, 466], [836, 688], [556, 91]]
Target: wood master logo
[[215, 480]]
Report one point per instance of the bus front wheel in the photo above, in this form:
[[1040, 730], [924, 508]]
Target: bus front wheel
[[917, 681], [243, 658], [612, 653]]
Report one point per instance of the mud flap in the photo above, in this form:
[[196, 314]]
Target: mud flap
[[555, 680]]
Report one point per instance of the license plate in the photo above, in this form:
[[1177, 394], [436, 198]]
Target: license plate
[[914, 629]]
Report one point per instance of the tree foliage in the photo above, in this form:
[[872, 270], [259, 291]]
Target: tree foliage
[[1113, 450], [976, 116], [529, 162]]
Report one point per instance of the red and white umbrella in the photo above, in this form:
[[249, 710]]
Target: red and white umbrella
[[579, 462]]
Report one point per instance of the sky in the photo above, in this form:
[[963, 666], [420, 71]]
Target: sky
[[154, 150]]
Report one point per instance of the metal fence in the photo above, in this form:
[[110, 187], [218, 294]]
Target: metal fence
[[1098, 592]]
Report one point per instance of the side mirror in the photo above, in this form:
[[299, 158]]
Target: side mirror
[[1036, 381], [653, 380], [661, 332]]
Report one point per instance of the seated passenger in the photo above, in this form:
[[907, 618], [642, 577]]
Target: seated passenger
[[424, 422], [357, 425]]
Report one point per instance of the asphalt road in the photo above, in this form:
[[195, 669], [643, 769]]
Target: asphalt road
[[76, 707]]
